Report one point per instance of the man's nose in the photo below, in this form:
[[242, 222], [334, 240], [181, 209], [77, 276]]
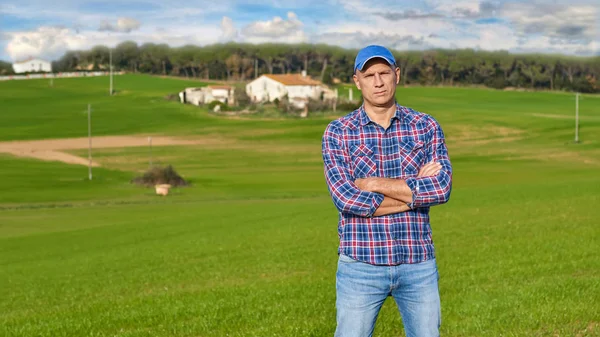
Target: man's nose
[[378, 82]]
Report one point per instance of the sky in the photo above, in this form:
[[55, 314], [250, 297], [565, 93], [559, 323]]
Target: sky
[[48, 28]]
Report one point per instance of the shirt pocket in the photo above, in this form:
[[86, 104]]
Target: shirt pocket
[[364, 160], [412, 157]]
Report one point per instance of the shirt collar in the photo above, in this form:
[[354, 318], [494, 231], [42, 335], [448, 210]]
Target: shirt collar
[[365, 119]]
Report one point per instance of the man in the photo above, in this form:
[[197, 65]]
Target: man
[[385, 166]]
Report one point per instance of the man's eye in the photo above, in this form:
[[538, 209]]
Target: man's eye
[[369, 75]]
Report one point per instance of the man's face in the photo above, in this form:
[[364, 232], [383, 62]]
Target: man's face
[[377, 82]]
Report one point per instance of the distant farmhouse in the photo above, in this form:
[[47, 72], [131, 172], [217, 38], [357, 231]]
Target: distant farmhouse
[[205, 95], [32, 65], [299, 88]]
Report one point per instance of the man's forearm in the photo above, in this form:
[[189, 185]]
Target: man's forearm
[[391, 206], [393, 188]]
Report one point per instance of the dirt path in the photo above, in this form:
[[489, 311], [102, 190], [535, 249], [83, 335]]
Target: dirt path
[[50, 149]]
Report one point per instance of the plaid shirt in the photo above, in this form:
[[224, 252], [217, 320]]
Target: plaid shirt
[[356, 147]]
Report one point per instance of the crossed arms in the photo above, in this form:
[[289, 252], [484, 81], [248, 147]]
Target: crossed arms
[[396, 193], [376, 196]]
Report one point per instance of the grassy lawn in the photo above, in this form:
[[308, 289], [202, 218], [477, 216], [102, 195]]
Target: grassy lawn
[[250, 248]]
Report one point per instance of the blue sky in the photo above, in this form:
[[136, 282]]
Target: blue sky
[[36, 28]]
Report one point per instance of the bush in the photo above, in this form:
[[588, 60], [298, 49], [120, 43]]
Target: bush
[[583, 85], [319, 105], [160, 175], [283, 105], [240, 96], [213, 104], [172, 97], [497, 82], [348, 106]]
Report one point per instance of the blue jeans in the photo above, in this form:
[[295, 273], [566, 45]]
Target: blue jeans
[[362, 288]]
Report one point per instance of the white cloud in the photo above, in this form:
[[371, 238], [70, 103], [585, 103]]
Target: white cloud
[[174, 36], [46, 42], [124, 25], [456, 8], [228, 28], [360, 39], [568, 28], [536, 25], [357, 6], [278, 29], [41, 12], [564, 22], [52, 42], [288, 30], [544, 44], [497, 37]]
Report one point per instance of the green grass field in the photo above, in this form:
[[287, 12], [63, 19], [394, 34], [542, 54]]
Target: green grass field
[[250, 248]]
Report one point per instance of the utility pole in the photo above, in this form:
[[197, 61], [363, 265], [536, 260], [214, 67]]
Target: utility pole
[[335, 100], [90, 141], [577, 118], [255, 67], [111, 71]]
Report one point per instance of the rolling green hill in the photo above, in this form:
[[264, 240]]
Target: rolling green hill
[[250, 248]]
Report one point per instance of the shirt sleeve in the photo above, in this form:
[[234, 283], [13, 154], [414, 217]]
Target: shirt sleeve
[[347, 197], [435, 190]]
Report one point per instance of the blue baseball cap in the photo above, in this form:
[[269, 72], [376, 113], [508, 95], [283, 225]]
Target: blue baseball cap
[[371, 52]]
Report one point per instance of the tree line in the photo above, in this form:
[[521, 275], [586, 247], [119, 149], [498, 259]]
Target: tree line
[[242, 62]]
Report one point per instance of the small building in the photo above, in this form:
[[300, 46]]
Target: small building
[[205, 95], [32, 65], [299, 88], [90, 67]]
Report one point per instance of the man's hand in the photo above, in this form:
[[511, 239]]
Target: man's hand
[[430, 169], [365, 183]]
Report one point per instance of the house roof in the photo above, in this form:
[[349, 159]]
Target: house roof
[[224, 87], [29, 59], [293, 79]]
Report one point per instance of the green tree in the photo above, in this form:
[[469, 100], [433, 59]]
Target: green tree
[[126, 56], [6, 68]]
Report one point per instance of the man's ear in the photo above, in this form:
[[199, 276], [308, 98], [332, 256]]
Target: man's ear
[[356, 82], [397, 71]]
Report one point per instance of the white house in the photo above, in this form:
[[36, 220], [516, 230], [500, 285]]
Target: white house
[[205, 95], [298, 87], [32, 65]]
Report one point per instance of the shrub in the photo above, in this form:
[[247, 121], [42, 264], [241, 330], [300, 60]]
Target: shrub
[[211, 105], [496, 82], [241, 97], [172, 97], [160, 175], [319, 105], [348, 106], [284, 104]]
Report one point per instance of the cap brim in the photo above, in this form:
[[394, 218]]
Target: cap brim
[[362, 64]]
